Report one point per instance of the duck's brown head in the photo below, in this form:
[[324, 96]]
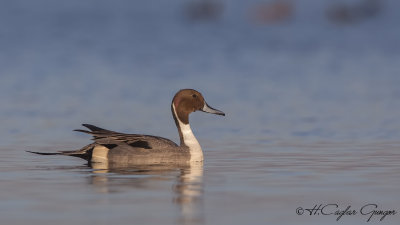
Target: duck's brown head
[[187, 101]]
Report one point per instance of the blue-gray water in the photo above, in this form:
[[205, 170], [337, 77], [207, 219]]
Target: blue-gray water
[[312, 112]]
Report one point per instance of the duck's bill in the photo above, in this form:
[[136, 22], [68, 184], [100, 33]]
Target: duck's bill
[[206, 108]]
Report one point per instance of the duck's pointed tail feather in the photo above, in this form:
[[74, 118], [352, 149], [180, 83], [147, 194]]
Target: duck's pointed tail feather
[[84, 153], [45, 153]]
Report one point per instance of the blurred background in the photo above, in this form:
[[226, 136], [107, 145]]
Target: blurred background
[[282, 70]]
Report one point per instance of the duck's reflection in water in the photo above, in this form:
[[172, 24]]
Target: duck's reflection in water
[[189, 194], [187, 184]]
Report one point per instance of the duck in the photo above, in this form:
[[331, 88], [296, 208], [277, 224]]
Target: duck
[[117, 148]]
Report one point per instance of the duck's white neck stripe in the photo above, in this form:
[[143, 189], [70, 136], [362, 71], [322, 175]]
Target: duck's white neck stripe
[[196, 153]]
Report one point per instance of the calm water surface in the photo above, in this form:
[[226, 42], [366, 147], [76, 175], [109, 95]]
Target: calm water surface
[[254, 184], [312, 113]]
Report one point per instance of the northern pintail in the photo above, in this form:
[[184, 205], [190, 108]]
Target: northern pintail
[[137, 149]]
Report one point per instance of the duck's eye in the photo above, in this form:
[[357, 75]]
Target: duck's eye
[[194, 96]]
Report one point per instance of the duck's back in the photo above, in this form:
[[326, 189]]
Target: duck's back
[[134, 149]]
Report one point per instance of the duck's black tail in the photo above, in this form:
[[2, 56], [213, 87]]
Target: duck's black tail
[[84, 153], [45, 153]]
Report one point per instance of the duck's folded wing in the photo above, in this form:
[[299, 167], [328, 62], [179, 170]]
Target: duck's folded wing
[[107, 137]]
